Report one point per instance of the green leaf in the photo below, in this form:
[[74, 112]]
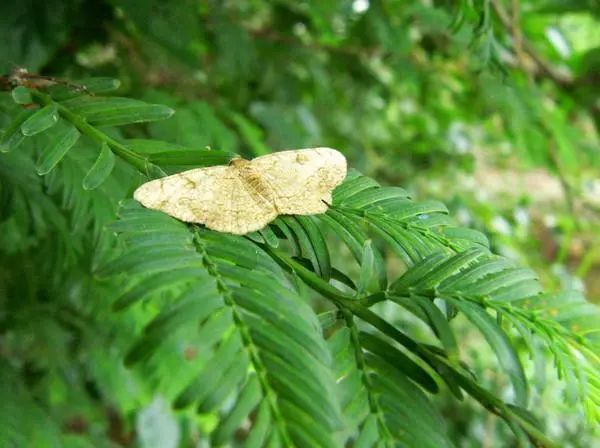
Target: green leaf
[[285, 232], [414, 275], [165, 153], [229, 381], [470, 235], [368, 436], [497, 283], [248, 399], [499, 342], [524, 289], [252, 134], [101, 168], [271, 310], [12, 136], [192, 157], [167, 324], [209, 377], [197, 302], [289, 347], [301, 428], [145, 223], [61, 140], [116, 111], [158, 282], [328, 319], [84, 86], [406, 209], [21, 95], [440, 325], [261, 428], [231, 247], [399, 360], [41, 120], [407, 410], [318, 243], [371, 268], [385, 327], [269, 237], [248, 319], [393, 236], [371, 421], [155, 260], [352, 186], [308, 250], [433, 270], [430, 221], [99, 84], [296, 386], [475, 274], [572, 310], [367, 271], [373, 196], [346, 229], [23, 421], [449, 267]]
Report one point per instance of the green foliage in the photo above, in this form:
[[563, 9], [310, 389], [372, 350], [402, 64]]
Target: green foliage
[[261, 350], [119, 323]]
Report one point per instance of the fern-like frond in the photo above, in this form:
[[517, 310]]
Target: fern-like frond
[[566, 323], [437, 256], [267, 373], [22, 421], [380, 403], [28, 216], [257, 366]]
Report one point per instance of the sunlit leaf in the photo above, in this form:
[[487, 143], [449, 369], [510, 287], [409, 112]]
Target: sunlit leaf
[[60, 140], [116, 111], [41, 120], [101, 169]]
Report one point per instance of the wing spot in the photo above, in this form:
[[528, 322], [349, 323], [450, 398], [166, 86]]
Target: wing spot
[[302, 158], [189, 183]]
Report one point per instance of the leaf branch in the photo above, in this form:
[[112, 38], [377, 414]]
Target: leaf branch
[[436, 359], [374, 406], [249, 345], [142, 164]]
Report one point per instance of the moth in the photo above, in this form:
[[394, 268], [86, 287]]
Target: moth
[[246, 195]]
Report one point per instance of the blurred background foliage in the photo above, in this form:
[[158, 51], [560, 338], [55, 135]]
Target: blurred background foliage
[[490, 106]]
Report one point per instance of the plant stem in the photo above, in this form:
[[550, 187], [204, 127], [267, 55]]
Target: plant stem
[[137, 161]]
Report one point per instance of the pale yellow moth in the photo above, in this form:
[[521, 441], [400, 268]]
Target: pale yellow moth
[[246, 195]]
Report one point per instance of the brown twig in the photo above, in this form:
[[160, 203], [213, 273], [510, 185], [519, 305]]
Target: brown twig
[[523, 46], [517, 34], [19, 76]]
